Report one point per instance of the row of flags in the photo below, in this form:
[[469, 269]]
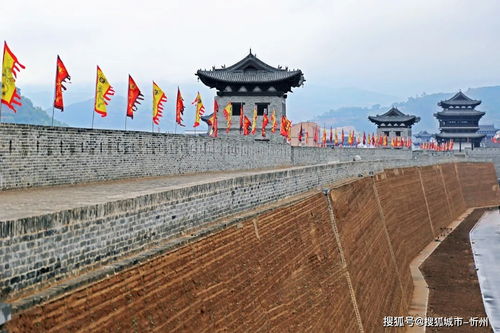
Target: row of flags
[[320, 136], [444, 146], [246, 126], [104, 91]]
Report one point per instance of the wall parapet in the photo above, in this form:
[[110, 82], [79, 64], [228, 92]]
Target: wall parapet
[[33, 155]]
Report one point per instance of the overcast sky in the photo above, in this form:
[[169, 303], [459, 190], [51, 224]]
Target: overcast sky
[[396, 47]]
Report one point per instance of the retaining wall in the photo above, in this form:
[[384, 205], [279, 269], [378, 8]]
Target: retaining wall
[[305, 266], [50, 246]]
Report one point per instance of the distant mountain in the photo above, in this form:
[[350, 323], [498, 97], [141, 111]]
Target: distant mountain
[[310, 101], [80, 115], [27, 113], [423, 106]]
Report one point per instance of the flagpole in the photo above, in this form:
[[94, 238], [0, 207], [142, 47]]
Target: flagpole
[[126, 121], [93, 115], [1, 81], [55, 88]]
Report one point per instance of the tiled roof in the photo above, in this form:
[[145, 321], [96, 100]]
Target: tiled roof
[[251, 70], [393, 115], [460, 99], [460, 113]]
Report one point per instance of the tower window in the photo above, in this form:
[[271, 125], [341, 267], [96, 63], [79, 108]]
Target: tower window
[[261, 108], [236, 108]]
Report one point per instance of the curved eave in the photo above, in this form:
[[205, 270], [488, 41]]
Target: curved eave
[[445, 104], [295, 79], [410, 121], [461, 113]]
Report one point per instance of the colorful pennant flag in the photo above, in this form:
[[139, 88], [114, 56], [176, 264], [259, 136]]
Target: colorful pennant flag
[[159, 97], [265, 121], [246, 125], [102, 92], [254, 121], [133, 97], [283, 126], [213, 122], [10, 67], [61, 76], [179, 108], [241, 117], [274, 122], [228, 114], [200, 110]]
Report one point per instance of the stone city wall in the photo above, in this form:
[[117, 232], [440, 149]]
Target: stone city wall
[[49, 246], [41, 155], [325, 262]]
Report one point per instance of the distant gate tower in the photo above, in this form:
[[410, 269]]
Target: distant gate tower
[[394, 123], [251, 83], [459, 121]]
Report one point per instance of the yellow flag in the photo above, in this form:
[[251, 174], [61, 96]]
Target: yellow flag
[[228, 114], [9, 67], [159, 98], [254, 120], [200, 110], [102, 92]]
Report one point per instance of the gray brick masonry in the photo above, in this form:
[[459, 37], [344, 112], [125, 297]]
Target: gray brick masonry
[[42, 156]]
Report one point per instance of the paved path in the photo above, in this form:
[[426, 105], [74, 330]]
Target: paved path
[[16, 204]]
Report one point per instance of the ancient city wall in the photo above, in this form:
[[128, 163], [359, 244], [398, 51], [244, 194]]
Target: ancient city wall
[[492, 154], [41, 155], [334, 262], [50, 246]]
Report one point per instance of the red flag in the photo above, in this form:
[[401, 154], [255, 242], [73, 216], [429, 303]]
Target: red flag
[[61, 76], [316, 135], [342, 137], [331, 134], [212, 121], [364, 138], [246, 125], [300, 133], [179, 108], [265, 121], [241, 117], [134, 96], [283, 126]]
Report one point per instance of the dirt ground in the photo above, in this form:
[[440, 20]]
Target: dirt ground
[[451, 275]]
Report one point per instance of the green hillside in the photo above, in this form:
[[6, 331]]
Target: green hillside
[[27, 113]]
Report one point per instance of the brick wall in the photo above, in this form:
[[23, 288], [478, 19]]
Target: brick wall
[[41, 155], [288, 268], [50, 246]]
